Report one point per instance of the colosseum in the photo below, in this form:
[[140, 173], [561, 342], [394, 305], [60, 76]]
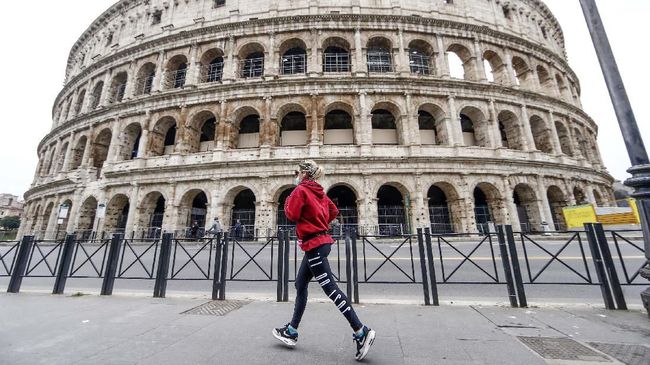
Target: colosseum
[[447, 114]]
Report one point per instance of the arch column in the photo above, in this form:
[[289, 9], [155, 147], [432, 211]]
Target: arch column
[[403, 67], [50, 231], [159, 83], [480, 67], [66, 160], [454, 117], [409, 127], [113, 148], [314, 67], [365, 127], [442, 67], [221, 134], [511, 208], [133, 209], [554, 136], [527, 131], [546, 213], [172, 211], [495, 131], [511, 70], [419, 206], [314, 128], [230, 67], [357, 67], [271, 59], [107, 89], [194, 71]]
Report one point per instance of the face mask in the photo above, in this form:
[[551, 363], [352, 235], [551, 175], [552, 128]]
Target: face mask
[[296, 181]]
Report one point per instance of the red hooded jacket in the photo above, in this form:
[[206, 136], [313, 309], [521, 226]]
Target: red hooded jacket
[[312, 210]]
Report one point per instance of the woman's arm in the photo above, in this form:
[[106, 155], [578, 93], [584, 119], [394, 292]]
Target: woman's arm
[[294, 203]]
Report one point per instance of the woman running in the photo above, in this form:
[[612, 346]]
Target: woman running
[[312, 210]]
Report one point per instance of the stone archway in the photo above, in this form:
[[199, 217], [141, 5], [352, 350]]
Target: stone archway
[[528, 210], [557, 201]]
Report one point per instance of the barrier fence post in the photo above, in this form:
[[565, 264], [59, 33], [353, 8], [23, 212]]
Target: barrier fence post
[[348, 266], [224, 267], [432, 272], [609, 267], [216, 280], [355, 267], [21, 264], [423, 268], [64, 268], [516, 268], [111, 264], [598, 263], [507, 270], [280, 289], [285, 278], [160, 287]]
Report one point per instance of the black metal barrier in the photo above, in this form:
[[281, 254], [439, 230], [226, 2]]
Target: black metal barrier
[[523, 260]]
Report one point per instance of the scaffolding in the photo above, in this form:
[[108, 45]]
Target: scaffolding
[[212, 72], [293, 64], [419, 64], [252, 67], [379, 61], [336, 62]]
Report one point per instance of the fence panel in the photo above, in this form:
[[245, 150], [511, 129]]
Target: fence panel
[[8, 254]]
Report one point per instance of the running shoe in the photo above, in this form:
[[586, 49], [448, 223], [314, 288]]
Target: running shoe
[[364, 342], [283, 335]]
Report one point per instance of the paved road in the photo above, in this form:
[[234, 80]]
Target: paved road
[[193, 277]]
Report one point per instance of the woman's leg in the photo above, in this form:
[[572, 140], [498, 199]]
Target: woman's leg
[[320, 268], [303, 277]]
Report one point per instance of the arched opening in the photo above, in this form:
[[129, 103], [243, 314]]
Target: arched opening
[[208, 131], [163, 137], [561, 86], [252, 61], [384, 128], [78, 153], [460, 61], [521, 71], [212, 66], [346, 201], [474, 126], [541, 134], [482, 211], [427, 127], [100, 148], [61, 161], [176, 72], [36, 215], [249, 132], [582, 143], [283, 222], [579, 196], [545, 80], [63, 219], [96, 95], [528, 212], [439, 212], [294, 57], [201, 132], [510, 131], [130, 141], [45, 220], [192, 213], [336, 57], [467, 127], [391, 212], [152, 214], [117, 214], [420, 53], [80, 102], [145, 78], [86, 221], [599, 199], [293, 129], [557, 202], [379, 57], [338, 128], [118, 87], [565, 138], [243, 215], [431, 113], [495, 68]]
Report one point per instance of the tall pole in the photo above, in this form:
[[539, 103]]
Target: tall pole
[[640, 169]]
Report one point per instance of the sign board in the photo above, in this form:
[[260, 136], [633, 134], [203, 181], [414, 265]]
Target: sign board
[[577, 216], [101, 210], [64, 209]]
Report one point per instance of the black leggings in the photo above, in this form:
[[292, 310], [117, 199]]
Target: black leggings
[[315, 265]]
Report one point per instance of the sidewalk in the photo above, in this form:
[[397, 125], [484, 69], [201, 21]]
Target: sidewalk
[[45, 329]]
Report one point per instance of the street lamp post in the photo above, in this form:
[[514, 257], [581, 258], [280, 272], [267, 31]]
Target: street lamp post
[[640, 169]]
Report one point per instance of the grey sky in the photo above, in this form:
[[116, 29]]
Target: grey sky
[[38, 38]]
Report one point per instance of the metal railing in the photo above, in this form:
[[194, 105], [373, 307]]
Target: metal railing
[[419, 64], [294, 64], [336, 62], [117, 94], [175, 79], [212, 72], [252, 67], [514, 259], [145, 85]]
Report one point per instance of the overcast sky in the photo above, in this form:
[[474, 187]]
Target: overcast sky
[[37, 40]]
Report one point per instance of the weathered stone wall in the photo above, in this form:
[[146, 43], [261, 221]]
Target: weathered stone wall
[[129, 125]]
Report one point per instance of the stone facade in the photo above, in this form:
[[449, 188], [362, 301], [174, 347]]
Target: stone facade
[[180, 110], [10, 206]]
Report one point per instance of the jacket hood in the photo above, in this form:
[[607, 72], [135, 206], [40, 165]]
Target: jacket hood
[[314, 187]]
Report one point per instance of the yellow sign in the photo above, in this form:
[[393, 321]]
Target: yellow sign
[[577, 216]]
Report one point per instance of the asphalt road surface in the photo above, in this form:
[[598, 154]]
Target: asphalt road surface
[[467, 270]]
